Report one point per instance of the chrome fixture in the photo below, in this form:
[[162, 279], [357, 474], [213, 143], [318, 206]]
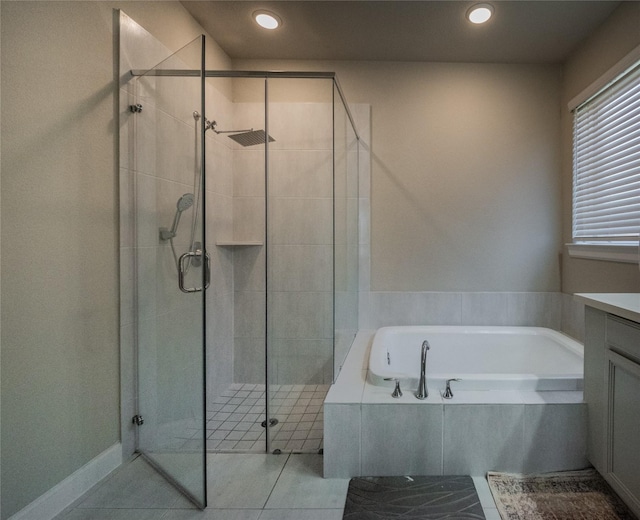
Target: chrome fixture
[[194, 256], [397, 392], [184, 203], [448, 394], [422, 392], [272, 422], [248, 137], [211, 125], [183, 267]]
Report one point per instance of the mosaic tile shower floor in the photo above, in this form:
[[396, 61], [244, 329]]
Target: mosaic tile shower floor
[[234, 419]]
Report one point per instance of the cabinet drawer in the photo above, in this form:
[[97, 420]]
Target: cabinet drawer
[[623, 336]]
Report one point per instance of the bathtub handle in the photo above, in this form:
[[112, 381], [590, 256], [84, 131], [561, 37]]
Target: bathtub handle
[[397, 392], [448, 394]]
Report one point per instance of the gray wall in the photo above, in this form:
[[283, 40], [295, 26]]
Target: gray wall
[[601, 51], [60, 337], [60, 333], [465, 190]]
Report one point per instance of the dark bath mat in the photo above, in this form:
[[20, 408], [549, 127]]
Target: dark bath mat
[[412, 498]]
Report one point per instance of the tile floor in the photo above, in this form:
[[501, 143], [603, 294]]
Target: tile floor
[[234, 419], [249, 486]]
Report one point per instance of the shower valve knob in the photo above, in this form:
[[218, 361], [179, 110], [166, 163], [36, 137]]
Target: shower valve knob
[[136, 109]]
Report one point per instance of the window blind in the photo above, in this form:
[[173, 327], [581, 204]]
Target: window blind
[[606, 163]]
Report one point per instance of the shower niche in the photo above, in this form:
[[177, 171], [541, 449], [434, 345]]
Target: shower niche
[[241, 197]]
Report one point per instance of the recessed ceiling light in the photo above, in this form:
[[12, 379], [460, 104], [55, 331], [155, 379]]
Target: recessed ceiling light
[[267, 19], [480, 13]]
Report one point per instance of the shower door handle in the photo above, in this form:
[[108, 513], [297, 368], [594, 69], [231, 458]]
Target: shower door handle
[[207, 270], [182, 271]]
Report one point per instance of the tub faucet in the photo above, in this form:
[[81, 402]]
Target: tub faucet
[[422, 392]]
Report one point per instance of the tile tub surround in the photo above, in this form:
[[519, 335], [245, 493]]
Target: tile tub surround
[[367, 432], [524, 309]]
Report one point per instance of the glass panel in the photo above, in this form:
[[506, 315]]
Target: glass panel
[[169, 205], [346, 232], [236, 301], [299, 260]]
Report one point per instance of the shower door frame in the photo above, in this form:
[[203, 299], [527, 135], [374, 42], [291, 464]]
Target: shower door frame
[[266, 75]]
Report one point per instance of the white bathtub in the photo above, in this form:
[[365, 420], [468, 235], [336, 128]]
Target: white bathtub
[[483, 358]]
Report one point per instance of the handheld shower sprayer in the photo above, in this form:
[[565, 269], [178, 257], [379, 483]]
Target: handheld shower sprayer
[[184, 203]]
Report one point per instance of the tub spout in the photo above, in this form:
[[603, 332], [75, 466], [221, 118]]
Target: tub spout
[[422, 392]]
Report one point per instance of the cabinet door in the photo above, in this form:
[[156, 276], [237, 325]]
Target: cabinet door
[[624, 428]]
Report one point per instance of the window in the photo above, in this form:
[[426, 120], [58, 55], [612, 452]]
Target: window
[[606, 166]]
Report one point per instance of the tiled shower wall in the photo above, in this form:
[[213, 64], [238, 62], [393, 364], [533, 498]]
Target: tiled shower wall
[[300, 237], [219, 227], [249, 304]]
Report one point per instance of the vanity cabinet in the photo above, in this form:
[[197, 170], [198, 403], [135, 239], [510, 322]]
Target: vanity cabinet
[[612, 394]]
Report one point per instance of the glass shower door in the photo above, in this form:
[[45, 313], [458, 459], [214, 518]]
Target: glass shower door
[[300, 227], [171, 269]]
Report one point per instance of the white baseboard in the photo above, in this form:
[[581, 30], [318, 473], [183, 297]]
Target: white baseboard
[[63, 494]]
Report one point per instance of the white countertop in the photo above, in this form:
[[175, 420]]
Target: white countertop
[[625, 305]]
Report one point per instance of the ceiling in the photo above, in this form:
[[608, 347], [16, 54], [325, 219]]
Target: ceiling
[[520, 31]]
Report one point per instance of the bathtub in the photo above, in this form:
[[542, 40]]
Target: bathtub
[[504, 422], [483, 358]]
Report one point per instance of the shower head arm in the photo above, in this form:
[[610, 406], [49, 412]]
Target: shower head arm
[[211, 125], [232, 131]]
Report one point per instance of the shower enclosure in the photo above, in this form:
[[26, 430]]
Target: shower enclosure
[[246, 259]]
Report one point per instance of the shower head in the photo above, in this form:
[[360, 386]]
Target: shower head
[[251, 138], [183, 204]]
